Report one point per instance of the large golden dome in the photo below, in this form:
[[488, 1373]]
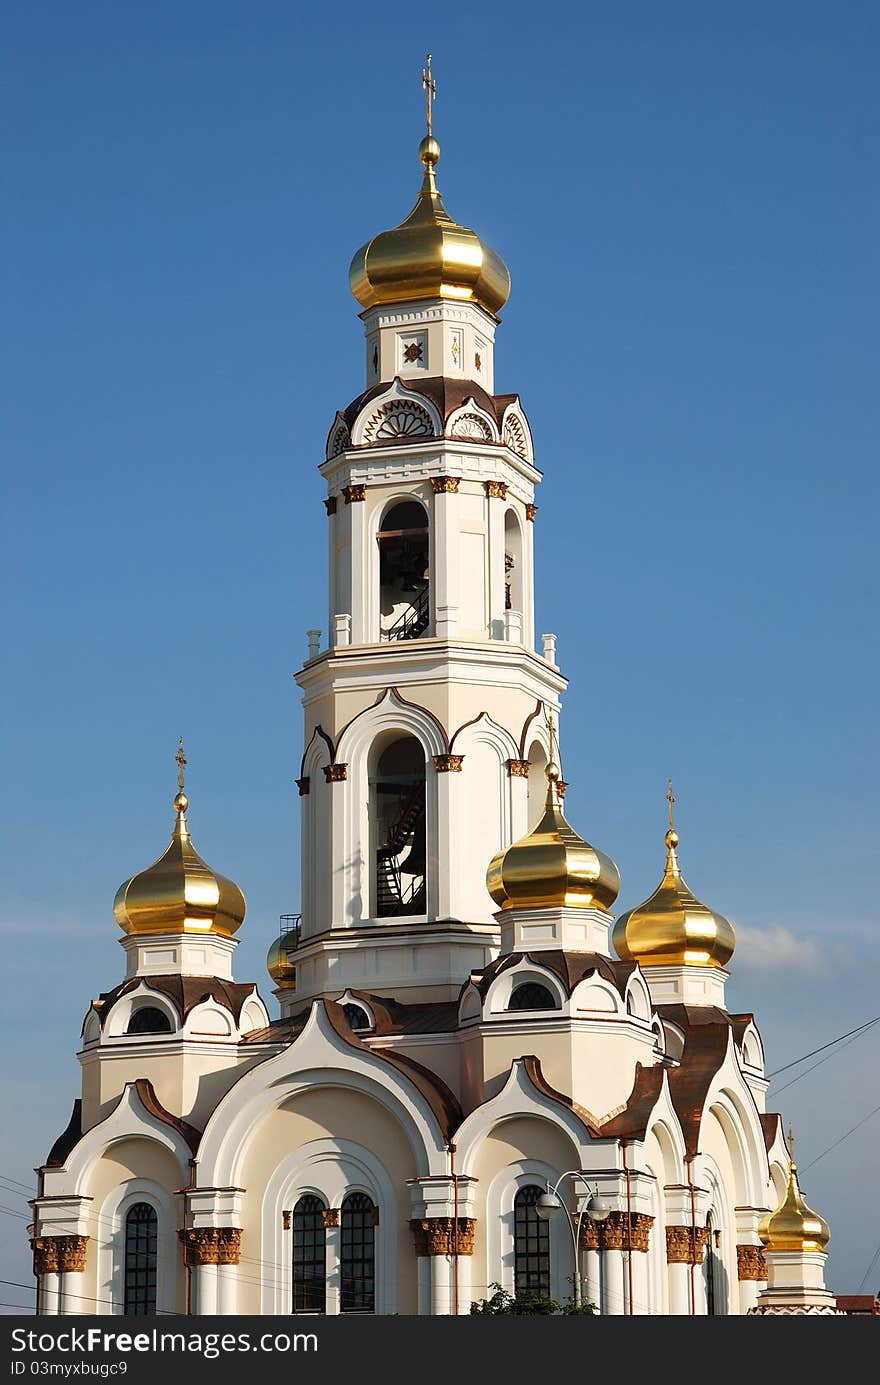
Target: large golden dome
[[794, 1226], [180, 893], [552, 866], [429, 256]]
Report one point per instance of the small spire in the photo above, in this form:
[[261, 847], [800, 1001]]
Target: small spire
[[791, 1145], [671, 835], [430, 89], [181, 802]]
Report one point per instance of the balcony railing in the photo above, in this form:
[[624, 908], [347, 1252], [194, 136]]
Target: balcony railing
[[291, 931]]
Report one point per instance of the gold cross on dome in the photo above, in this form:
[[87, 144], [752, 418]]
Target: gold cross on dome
[[670, 799], [791, 1141], [181, 761], [430, 87]]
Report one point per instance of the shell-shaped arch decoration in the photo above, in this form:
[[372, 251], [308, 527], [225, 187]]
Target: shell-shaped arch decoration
[[339, 438], [472, 422], [515, 433], [398, 418]]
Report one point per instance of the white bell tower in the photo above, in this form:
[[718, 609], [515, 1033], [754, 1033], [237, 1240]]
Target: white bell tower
[[426, 706]]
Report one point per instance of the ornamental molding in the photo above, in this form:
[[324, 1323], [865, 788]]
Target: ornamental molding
[[531, 511], [229, 1246], [339, 440], [445, 485], [471, 425], [751, 1263], [352, 494], [686, 1245], [59, 1254], [330, 1217], [519, 769], [620, 1231], [335, 774], [436, 1235], [448, 764], [514, 435], [201, 1245], [496, 490], [398, 418]]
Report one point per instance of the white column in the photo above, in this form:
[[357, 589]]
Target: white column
[[441, 1285], [465, 1281], [496, 509], [70, 1293], [444, 564], [613, 1299], [424, 1272], [748, 1294], [332, 1251], [227, 1290], [641, 1303], [50, 1285], [361, 586], [204, 1291], [591, 1284], [443, 885], [679, 1288]]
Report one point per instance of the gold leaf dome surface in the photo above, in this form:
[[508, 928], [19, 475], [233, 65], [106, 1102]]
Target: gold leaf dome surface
[[794, 1226], [429, 255], [279, 965], [180, 893], [552, 867], [673, 927]]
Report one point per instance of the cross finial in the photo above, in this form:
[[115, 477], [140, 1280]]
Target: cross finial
[[670, 799], [791, 1141], [430, 87], [180, 757]]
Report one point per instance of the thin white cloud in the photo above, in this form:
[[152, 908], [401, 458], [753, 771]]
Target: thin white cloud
[[775, 948]]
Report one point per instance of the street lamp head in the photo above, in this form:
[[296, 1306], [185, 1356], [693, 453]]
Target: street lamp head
[[597, 1210], [547, 1206]]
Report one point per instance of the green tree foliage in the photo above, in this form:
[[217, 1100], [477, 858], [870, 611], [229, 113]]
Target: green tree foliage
[[527, 1303]]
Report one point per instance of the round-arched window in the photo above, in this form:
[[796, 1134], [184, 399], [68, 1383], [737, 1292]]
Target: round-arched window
[[149, 1019], [357, 1016], [531, 995]]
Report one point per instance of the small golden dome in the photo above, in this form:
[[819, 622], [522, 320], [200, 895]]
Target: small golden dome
[[794, 1226], [552, 866], [179, 893], [429, 256], [673, 927], [279, 965]]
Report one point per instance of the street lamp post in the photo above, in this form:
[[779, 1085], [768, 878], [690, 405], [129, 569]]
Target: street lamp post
[[549, 1204]]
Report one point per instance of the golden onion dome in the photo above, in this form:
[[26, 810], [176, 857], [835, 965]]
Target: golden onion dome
[[794, 1226], [279, 965], [429, 255], [180, 893], [673, 927], [552, 866]]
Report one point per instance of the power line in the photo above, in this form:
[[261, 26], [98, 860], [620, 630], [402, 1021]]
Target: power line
[[869, 1269], [856, 1127], [28, 1188], [784, 1088], [858, 1030]]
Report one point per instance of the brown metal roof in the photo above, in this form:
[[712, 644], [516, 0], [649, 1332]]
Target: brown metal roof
[[570, 967], [446, 395], [184, 992]]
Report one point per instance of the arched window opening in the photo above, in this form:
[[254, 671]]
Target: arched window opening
[[141, 1260], [149, 1019], [397, 794], [309, 1256], [357, 1017], [531, 1243], [712, 1268], [531, 995], [404, 585], [358, 1255], [513, 565]]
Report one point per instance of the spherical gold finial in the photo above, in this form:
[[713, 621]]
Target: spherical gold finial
[[671, 838], [552, 772], [181, 802], [429, 151]]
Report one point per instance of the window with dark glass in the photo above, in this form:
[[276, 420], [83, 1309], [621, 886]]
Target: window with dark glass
[[356, 1015], [141, 1257], [358, 1255], [531, 1243], [149, 1019], [309, 1256], [531, 995]]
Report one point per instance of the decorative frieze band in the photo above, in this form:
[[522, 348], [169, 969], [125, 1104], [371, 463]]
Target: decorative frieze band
[[59, 1254], [335, 774], [531, 511], [620, 1231], [751, 1263], [210, 1245], [496, 490], [448, 764], [445, 485], [686, 1245], [436, 1235], [518, 769], [330, 505], [352, 494]]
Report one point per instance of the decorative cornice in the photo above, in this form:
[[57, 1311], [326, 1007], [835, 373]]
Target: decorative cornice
[[436, 1235], [519, 769], [620, 1231], [680, 1244], [303, 785], [330, 505], [751, 1263], [330, 1216], [335, 774], [59, 1254], [496, 490], [445, 485], [448, 764], [351, 494], [531, 511]]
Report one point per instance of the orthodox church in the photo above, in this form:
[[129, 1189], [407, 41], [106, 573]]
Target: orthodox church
[[479, 1076]]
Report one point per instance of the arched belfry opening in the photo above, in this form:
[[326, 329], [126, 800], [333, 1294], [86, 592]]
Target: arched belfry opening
[[404, 585], [513, 563], [397, 821]]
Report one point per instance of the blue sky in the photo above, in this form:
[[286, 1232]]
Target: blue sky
[[686, 198]]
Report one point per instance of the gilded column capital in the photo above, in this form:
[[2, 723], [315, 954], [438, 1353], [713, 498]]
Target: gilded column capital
[[335, 774], [518, 769], [59, 1254], [229, 1245], [201, 1245], [45, 1250], [531, 511], [330, 505], [686, 1245], [751, 1263], [448, 764], [445, 485], [619, 1231], [352, 494], [436, 1235], [496, 490], [330, 1216]]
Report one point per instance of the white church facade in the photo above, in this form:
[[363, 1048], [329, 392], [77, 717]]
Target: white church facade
[[479, 1075]]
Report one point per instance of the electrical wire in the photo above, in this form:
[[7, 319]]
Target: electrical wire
[[858, 1030], [856, 1127], [779, 1090], [869, 1269]]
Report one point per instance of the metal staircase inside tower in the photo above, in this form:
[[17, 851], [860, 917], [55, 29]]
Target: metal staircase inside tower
[[412, 622], [393, 895]]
